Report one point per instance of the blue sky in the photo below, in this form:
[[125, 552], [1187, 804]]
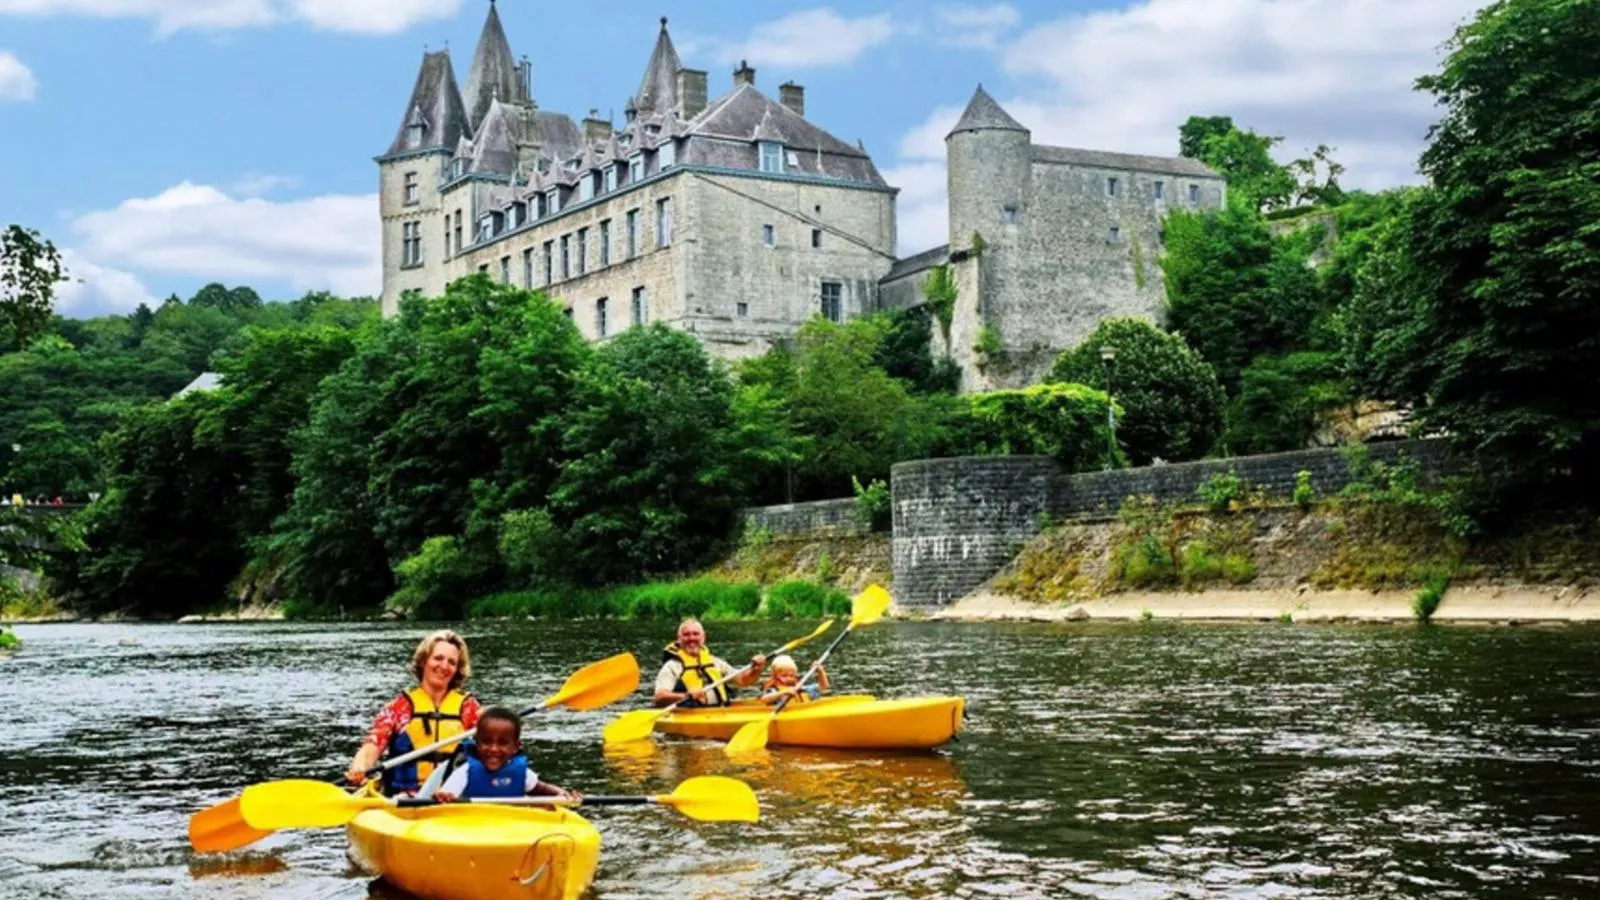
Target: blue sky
[[167, 143]]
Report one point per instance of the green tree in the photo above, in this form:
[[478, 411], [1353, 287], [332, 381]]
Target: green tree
[[1172, 400], [1066, 421], [1499, 294], [1193, 133], [1242, 157], [30, 269], [1280, 400], [650, 485], [906, 353]]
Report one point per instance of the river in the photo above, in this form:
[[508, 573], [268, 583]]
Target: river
[[1129, 761]]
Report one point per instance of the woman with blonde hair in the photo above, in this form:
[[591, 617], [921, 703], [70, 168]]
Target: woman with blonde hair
[[435, 709]]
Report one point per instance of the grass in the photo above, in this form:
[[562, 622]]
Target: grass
[[704, 598]]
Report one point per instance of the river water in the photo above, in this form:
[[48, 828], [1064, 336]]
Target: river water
[[1129, 761]]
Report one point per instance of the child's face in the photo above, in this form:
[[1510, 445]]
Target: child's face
[[786, 677], [497, 743]]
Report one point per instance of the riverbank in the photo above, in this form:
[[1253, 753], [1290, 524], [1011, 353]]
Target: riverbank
[[1464, 605]]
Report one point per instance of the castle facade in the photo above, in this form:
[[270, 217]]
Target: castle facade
[[738, 219]]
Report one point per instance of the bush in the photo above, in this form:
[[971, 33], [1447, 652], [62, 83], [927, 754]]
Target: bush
[[434, 580], [1066, 421], [700, 598], [805, 600], [1143, 562], [1221, 490], [873, 503], [1427, 600], [1304, 494]]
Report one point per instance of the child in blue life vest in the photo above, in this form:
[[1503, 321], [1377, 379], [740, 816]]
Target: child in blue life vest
[[495, 765], [785, 679]]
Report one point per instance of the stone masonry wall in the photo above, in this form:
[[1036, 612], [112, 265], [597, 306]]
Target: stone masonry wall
[[829, 518]]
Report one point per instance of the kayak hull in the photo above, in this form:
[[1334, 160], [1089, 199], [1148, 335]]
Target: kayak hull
[[850, 723], [481, 852]]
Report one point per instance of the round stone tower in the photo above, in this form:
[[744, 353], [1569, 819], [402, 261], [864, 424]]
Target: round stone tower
[[989, 172]]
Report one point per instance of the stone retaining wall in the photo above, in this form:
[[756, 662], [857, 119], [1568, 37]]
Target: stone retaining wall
[[817, 518]]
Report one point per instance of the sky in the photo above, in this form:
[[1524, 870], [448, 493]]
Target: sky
[[164, 144]]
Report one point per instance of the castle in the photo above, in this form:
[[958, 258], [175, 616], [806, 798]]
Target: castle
[[737, 219]]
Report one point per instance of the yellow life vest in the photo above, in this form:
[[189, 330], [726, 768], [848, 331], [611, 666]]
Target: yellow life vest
[[698, 672], [429, 724]]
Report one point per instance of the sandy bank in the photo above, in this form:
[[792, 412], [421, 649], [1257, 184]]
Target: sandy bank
[[1486, 605]]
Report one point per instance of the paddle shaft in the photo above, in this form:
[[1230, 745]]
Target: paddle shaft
[[424, 751], [597, 800]]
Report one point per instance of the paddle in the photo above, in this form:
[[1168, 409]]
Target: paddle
[[302, 803], [869, 607], [637, 725], [223, 827]]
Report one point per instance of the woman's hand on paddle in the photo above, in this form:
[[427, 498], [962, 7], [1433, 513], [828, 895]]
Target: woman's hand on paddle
[[444, 796], [356, 776]]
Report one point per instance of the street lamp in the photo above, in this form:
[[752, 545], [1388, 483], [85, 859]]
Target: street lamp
[[1108, 357]]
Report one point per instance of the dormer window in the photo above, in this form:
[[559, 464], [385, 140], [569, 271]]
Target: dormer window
[[652, 130], [667, 154], [636, 168], [414, 133], [611, 179], [586, 187], [552, 201], [458, 167], [625, 141], [771, 157], [572, 164]]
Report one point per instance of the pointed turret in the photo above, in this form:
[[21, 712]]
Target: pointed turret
[[984, 114], [434, 117], [658, 90], [494, 75]]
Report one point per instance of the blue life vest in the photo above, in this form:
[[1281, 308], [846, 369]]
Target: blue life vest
[[510, 781]]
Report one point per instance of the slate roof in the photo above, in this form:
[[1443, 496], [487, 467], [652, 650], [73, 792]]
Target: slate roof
[[493, 74], [658, 89], [983, 113], [920, 262], [436, 103], [1166, 165]]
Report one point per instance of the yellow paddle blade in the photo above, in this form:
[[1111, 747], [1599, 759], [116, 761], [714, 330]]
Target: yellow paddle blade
[[302, 803], [750, 737], [632, 726], [221, 828], [598, 684], [812, 636], [869, 606], [713, 798]]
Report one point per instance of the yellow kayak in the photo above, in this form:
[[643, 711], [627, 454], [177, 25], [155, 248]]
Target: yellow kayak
[[465, 852], [853, 722]]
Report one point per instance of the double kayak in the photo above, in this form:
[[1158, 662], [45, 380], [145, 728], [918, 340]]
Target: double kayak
[[466, 852], [848, 722]]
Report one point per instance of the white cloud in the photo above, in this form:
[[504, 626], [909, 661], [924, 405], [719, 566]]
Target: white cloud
[[257, 184], [16, 80], [94, 290], [360, 16], [1335, 72], [808, 38], [330, 242], [975, 26]]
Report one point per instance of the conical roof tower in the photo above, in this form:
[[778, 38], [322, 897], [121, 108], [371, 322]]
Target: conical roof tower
[[494, 74], [658, 89]]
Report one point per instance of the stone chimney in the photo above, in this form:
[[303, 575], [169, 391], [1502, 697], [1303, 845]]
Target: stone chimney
[[595, 129], [744, 75], [691, 93], [793, 97]]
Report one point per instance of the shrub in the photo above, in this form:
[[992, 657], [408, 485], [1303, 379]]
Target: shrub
[[434, 580], [1427, 600], [1238, 569], [873, 503], [1221, 490], [1066, 421], [805, 600], [1143, 562], [1304, 494], [1197, 565]]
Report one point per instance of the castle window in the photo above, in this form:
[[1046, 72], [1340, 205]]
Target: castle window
[[552, 201], [667, 155], [833, 301], [1114, 234], [605, 243], [1111, 187], [483, 268], [1194, 193], [600, 317], [414, 134], [792, 158], [585, 188], [664, 222], [459, 245], [1161, 189], [652, 130], [549, 262], [743, 309], [641, 310], [411, 244], [458, 168], [411, 188], [566, 256], [816, 238], [505, 270], [527, 269], [636, 168], [583, 250], [633, 233], [767, 235], [611, 179], [446, 237], [771, 157], [573, 164], [1010, 214]]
